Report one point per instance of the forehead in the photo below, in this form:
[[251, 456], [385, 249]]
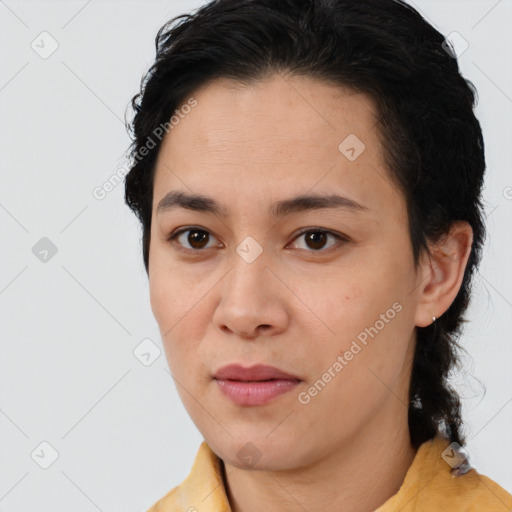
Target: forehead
[[280, 108], [277, 133]]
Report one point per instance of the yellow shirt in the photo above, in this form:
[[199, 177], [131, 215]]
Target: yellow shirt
[[428, 487]]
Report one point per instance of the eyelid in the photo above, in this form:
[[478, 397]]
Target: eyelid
[[341, 239], [314, 229], [339, 236], [175, 234]]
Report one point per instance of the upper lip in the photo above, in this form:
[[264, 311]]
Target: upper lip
[[257, 372]]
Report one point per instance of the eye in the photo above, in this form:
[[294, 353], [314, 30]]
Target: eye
[[317, 237], [197, 238]]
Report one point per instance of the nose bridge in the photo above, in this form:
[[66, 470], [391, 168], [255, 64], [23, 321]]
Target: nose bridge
[[249, 294], [249, 263]]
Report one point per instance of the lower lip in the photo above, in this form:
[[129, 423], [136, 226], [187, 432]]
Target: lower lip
[[255, 393]]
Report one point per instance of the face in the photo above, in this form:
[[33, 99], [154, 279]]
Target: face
[[323, 291]]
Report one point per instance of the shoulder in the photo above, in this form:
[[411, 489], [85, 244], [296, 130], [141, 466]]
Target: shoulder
[[168, 503], [203, 489], [472, 492], [430, 485]]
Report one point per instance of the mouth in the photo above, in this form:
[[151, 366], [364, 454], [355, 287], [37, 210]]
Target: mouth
[[256, 385], [257, 373]]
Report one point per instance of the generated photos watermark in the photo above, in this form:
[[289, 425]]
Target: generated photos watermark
[[100, 192], [343, 359]]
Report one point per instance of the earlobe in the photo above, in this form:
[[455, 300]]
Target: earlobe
[[443, 273]]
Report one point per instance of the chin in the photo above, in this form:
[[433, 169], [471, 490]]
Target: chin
[[257, 452]]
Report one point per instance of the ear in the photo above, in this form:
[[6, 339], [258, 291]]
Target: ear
[[441, 273]]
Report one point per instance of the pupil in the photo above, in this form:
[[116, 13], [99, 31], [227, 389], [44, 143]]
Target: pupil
[[317, 238], [197, 237]]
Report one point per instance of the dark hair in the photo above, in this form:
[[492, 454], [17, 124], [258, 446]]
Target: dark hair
[[433, 143]]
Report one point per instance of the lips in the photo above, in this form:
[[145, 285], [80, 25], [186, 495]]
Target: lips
[[254, 386], [254, 373]]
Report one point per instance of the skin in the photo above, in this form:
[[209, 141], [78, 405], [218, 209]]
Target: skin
[[298, 305]]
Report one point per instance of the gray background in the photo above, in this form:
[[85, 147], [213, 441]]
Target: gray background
[[70, 321]]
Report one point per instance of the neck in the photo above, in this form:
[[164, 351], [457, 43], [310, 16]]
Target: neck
[[360, 475]]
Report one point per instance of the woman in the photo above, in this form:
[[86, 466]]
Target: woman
[[308, 177]]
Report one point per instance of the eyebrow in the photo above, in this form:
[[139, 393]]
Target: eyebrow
[[302, 203]]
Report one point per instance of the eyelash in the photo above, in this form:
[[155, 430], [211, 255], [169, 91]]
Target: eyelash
[[339, 237]]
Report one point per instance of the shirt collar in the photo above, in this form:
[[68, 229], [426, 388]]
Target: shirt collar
[[428, 485], [204, 488]]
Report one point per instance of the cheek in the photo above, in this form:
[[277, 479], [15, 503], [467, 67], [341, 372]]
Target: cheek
[[168, 292], [167, 307], [180, 318], [367, 315], [162, 299]]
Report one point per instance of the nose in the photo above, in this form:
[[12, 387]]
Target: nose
[[253, 300]]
